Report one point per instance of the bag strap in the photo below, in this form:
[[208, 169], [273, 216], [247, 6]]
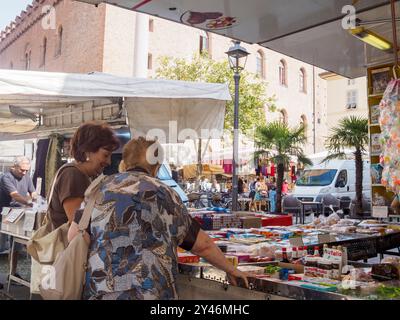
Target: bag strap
[[55, 180], [90, 192], [47, 216]]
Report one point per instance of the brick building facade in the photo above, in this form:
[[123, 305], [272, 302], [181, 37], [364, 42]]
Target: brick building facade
[[74, 45], [86, 38]]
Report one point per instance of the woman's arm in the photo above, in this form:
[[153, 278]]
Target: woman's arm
[[207, 249], [71, 205]]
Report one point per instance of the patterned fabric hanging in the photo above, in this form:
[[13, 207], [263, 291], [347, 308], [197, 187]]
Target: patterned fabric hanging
[[389, 122]]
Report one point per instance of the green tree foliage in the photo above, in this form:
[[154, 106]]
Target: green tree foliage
[[352, 132], [252, 90], [278, 141]]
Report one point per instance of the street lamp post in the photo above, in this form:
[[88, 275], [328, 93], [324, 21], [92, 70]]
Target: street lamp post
[[237, 60]]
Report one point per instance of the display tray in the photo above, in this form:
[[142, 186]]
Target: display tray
[[293, 290]]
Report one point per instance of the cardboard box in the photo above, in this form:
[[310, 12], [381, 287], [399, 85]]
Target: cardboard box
[[250, 222], [17, 228], [298, 268], [14, 228], [243, 213]]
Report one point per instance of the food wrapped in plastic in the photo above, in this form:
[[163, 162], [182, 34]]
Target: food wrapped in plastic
[[333, 219]]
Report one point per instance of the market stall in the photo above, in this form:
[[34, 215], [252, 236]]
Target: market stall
[[60, 102], [320, 260]]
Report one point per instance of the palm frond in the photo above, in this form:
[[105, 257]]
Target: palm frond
[[337, 155]]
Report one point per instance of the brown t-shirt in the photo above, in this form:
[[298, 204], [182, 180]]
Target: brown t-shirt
[[71, 183]]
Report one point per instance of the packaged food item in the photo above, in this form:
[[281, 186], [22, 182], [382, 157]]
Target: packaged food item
[[294, 253], [385, 271], [233, 260], [251, 269], [260, 259], [311, 266], [185, 257], [284, 256], [324, 268], [335, 272]]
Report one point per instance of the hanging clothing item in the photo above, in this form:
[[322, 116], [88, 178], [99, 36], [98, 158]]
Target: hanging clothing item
[[387, 143], [272, 170], [228, 166], [53, 159], [264, 170], [40, 166]]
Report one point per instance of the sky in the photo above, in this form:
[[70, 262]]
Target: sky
[[10, 9]]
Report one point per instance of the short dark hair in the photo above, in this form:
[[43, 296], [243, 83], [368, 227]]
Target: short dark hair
[[90, 137]]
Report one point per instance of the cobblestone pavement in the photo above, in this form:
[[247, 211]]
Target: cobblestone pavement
[[17, 292]]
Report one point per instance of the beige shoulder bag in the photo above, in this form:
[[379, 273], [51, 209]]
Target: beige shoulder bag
[[65, 278], [47, 242]]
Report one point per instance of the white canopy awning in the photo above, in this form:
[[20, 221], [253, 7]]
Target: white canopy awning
[[150, 103]]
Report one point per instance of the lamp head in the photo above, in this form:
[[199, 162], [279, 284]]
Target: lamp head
[[237, 56]]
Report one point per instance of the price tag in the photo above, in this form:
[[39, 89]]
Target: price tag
[[380, 211], [5, 211]]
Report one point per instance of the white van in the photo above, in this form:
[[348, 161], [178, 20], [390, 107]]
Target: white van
[[336, 177]]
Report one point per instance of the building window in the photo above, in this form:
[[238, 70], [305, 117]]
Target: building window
[[351, 82], [260, 64], [283, 116], [302, 80], [149, 61], [59, 41], [151, 25], [203, 47], [352, 97], [283, 73], [28, 56], [44, 52]]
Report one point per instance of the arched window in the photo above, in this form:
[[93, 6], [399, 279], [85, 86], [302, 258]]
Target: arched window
[[283, 116], [283, 73], [44, 52], [28, 56], [260, 64], [59, 41], [204, 45], [302, 80]]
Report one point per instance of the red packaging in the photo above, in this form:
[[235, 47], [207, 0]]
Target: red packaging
[[188, 258]]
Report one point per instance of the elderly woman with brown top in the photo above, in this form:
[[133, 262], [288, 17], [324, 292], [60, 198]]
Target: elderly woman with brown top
[[136, 227], [91, 147]]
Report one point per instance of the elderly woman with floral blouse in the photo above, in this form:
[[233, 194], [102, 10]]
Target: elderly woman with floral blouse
[[136, 227]]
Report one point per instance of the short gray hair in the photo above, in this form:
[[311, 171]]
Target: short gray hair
[[20, 160]]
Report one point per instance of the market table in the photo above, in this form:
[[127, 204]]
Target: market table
[[318, 205], [11, 277]]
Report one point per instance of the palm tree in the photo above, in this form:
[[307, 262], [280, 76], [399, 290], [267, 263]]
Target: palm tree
[[279, 142], [352, 132]]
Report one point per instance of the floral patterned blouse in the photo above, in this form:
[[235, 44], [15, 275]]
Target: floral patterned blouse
[[136, 226]]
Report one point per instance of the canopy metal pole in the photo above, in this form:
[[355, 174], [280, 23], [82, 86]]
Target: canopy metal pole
[[394, 30], [235, 145]]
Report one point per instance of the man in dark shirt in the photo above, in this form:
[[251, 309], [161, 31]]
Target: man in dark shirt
[[16, 190]]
